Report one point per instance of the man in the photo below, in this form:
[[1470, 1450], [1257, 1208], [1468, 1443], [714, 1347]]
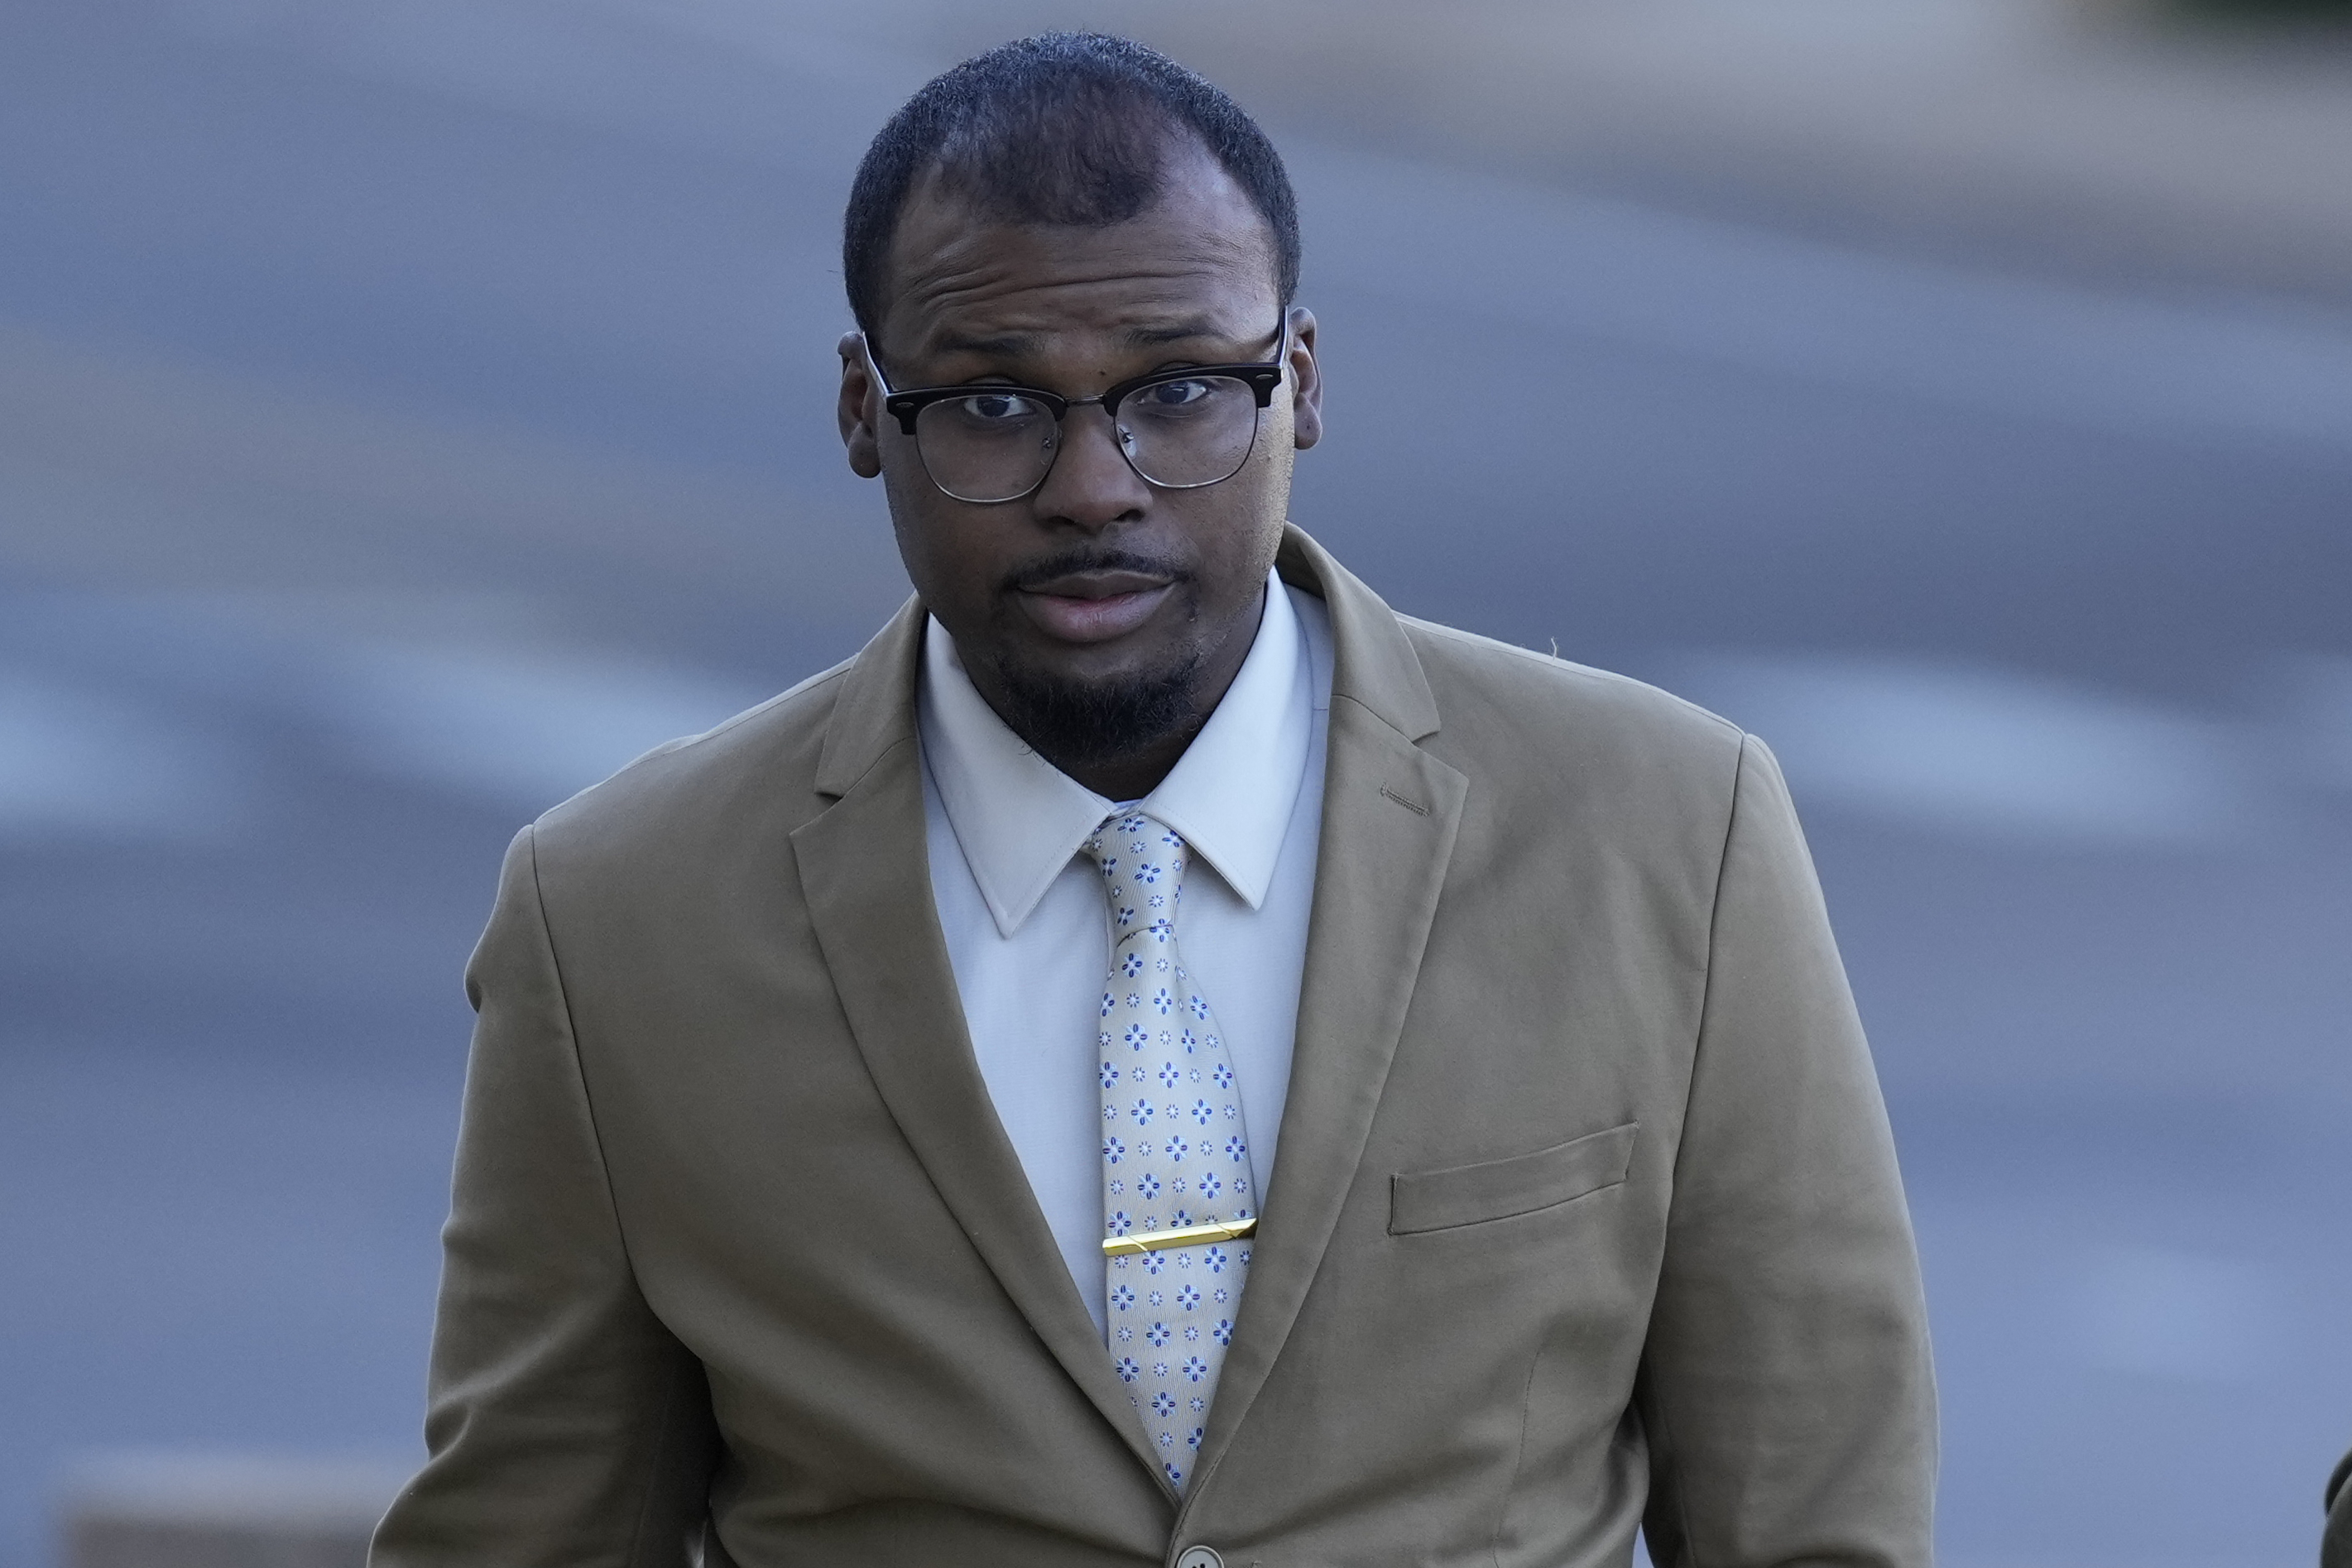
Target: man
[[872, 1097]]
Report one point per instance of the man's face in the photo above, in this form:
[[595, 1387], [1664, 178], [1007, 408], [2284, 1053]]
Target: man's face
[[1099, 594]]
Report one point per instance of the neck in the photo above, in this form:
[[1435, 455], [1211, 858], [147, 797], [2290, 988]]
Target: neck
[[1133, 776]]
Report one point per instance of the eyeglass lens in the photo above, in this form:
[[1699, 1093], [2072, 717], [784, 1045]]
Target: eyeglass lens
[[1179, 434]]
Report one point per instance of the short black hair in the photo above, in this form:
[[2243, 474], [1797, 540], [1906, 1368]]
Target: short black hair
[[1062, 127]]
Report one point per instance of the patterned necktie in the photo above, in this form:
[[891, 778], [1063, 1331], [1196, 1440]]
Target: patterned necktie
[[1177, 1204]]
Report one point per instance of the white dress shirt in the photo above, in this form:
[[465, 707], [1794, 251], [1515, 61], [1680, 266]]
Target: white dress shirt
[[1026, 928]]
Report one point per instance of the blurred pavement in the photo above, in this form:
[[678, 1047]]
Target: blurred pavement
[[408, 412], [2099, 139]]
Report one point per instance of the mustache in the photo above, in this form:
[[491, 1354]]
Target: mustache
[[1102, 558]]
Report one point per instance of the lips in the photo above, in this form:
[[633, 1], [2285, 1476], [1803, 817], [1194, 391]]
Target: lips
[[1093, 606]]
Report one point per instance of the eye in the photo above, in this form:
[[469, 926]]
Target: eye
[[1166, 396], [995, 408]]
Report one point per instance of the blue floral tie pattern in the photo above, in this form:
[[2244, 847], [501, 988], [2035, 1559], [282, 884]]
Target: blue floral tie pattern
[[1174, 1152]]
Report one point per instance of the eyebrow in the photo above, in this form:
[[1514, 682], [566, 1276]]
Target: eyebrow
[[1020, 345], [1003, 345], [1172, 332]]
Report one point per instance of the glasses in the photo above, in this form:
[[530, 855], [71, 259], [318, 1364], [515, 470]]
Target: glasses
[[1179, 429]]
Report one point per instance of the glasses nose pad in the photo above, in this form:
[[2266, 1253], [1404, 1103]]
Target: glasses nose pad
[[1121, 436]]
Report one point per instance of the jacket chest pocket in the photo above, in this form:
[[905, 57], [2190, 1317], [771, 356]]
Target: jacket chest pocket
[[1499, 1189]]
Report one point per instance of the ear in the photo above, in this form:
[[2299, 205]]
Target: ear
[[1306, 381], [860, 407]]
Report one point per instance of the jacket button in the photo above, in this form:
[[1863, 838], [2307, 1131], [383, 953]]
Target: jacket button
[[1200, 1557]]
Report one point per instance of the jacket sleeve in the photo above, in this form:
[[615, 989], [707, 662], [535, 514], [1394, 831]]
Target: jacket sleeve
[[1786, 1390], [566, 1425]]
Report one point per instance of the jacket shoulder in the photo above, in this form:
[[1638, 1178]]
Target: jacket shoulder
[[1588, 780], [760, 763], [1495, 697]]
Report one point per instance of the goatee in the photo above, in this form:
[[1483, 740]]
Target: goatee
[[1079, 724]]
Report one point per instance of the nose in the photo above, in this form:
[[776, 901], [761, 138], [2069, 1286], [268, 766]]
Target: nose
[[1090, 484]]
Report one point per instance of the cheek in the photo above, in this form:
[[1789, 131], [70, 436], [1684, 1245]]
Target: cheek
[[908, 489], [954, 555], [934, 549], [1269, 476], [1267, 472], [1277, 426], [1238, 536]]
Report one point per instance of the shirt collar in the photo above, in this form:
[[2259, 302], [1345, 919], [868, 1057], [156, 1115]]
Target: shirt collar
[[1018, 818]]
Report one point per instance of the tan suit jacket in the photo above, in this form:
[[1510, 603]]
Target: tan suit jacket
[[1585, 1212]]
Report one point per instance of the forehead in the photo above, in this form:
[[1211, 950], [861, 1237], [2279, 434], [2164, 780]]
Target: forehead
[[1200, 255]]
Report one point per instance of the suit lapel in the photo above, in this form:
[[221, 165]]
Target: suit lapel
[[1390, 815], [866, 873]]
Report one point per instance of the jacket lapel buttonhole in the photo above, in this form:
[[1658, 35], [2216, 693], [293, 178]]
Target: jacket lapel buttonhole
[[1415, 807]]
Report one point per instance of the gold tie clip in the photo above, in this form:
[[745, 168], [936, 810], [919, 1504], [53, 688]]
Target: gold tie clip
[[1183, 1236]]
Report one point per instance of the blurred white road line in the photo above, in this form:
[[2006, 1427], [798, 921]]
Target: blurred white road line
[[79, 761], [1987, 753], [170, 717], [525, 726]]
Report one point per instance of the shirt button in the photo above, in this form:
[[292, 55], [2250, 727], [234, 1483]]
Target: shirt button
[[1200, 1557]]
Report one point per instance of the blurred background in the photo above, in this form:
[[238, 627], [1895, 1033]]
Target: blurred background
[[411, 409]]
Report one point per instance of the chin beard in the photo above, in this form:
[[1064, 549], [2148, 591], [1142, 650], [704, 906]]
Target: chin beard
[[1079, 724]]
